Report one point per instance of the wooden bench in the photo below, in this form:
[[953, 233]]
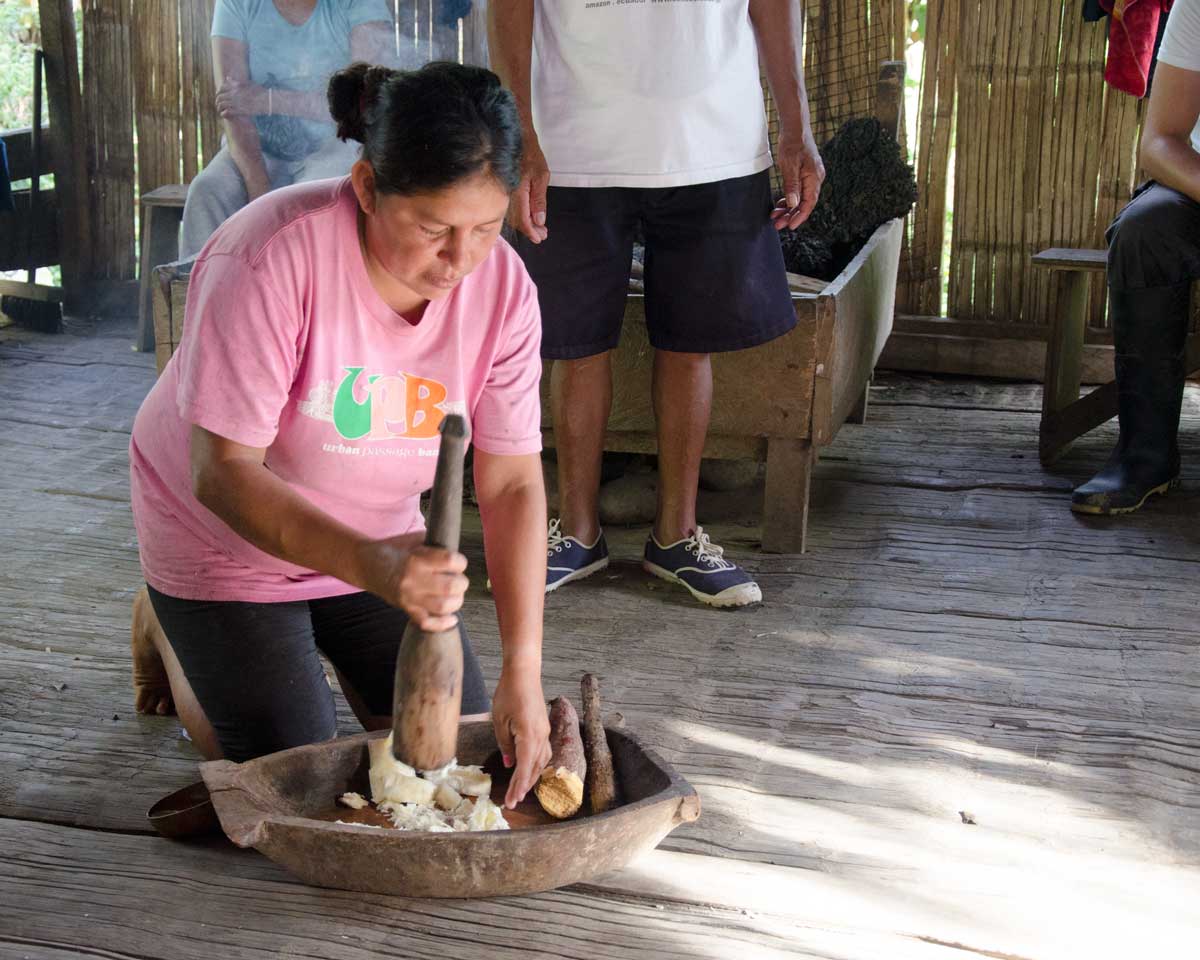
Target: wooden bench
[[1065, 415], [162, 213]]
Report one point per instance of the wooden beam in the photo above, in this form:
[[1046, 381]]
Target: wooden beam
[[30, 291], [949, 327], [977, 356], [18, 144], [67, 133]]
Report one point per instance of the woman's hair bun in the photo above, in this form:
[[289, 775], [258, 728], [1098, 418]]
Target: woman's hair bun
[[352, 95]]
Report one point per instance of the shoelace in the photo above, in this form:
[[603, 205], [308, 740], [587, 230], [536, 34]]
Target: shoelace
[[708, 551], [554, 537]]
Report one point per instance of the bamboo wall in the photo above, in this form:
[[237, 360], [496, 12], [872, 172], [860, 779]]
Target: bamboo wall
[[1013, 113], [1043, 156]]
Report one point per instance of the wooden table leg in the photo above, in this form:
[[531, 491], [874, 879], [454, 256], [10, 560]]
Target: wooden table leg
[[785, 503], [160, 244], [1064, 361]]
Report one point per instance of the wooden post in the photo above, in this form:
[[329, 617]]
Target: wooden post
[[889, 98], [785, 501], [68, 135]]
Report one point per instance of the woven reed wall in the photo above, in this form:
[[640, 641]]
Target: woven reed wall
[[1044, 155]]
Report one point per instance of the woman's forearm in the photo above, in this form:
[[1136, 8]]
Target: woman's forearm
[[246, 149], [514, 534], [266, 511]]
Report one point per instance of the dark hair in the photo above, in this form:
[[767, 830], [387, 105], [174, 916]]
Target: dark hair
[[422, 130]]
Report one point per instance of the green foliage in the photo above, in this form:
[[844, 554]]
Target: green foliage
[[17, 22], [19, 37]]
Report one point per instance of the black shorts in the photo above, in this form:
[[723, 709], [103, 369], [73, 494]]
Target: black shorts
[[714, 267], [255, 669]]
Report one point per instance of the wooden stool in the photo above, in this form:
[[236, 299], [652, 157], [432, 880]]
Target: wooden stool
[[162, 213], [1066, 415]]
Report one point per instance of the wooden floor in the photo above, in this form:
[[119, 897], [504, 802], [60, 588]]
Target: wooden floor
[[966, 723]]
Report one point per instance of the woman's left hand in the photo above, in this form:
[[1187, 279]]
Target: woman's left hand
[[238, 99], [522, 728]]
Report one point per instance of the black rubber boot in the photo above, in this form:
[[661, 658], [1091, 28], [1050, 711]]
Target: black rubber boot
[[1149, 332]]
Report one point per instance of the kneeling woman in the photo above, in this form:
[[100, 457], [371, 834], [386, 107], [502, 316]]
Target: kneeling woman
[[277, 464]]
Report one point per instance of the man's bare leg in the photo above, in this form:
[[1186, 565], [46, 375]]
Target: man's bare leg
[[580, 399], [682, 404], [158, 679]]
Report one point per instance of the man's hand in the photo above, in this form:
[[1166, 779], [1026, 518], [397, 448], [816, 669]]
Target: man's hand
[[237, 98], [527, 209], [803, 173], [427, 583], [522, 728]]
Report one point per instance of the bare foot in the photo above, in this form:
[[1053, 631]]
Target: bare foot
[[151, 689]]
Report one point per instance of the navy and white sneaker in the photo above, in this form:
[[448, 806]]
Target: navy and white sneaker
[[567, 559], [697, 563]]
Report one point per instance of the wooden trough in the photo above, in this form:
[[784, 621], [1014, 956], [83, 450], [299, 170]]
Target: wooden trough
[[283, 805]]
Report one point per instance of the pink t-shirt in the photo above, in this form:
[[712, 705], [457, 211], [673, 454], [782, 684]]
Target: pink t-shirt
[[287, 346]]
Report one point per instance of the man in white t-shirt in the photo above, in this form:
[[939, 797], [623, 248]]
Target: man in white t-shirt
[[648, 115], [1153, 258]]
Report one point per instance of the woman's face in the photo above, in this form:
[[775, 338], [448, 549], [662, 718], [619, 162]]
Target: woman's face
[[428, 242]]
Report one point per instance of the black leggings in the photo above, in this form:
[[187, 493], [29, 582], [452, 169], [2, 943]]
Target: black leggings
[[255, 669]]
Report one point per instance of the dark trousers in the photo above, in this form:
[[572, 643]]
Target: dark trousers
[[1155, 240]]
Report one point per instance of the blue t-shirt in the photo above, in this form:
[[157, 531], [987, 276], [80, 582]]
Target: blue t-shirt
[[284, 56]]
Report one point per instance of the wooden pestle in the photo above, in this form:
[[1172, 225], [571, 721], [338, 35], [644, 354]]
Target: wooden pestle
[[429, 668]]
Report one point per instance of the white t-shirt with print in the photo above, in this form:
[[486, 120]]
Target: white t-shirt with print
[[647, 93], [1181, 45]]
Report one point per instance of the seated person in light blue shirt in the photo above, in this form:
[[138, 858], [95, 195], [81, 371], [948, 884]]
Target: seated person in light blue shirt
[[272, 60]]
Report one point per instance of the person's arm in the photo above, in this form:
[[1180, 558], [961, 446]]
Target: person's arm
[[777, 29], [232, 481], [510, 46], [512, 505], [231, 64], [1167, 154]]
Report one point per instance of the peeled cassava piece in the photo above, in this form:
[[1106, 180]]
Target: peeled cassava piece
[[450, 798], [560, 788]]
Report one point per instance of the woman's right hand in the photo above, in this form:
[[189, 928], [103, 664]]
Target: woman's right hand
[[427, 583]]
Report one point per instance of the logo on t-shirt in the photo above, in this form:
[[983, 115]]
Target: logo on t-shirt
[[380, 406]]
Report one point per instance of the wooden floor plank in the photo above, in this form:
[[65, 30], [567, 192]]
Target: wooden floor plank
[[957, 645], [145, 897]]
